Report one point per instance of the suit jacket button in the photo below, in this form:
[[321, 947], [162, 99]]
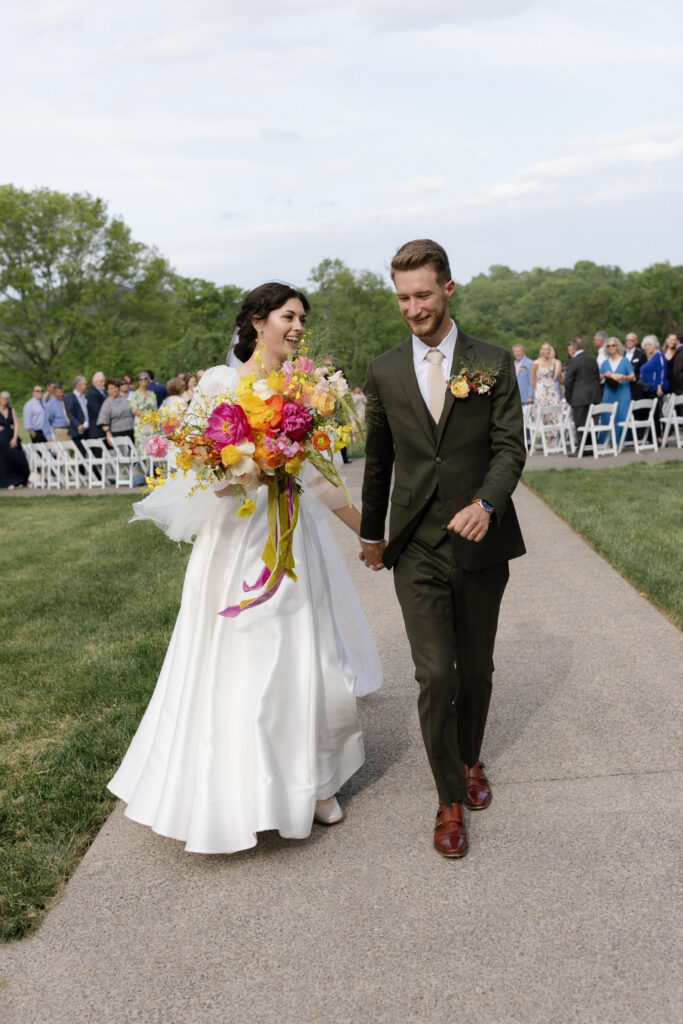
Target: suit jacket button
[[438, 458]]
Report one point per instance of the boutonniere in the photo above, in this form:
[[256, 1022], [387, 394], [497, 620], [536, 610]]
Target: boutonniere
[[480, 381]]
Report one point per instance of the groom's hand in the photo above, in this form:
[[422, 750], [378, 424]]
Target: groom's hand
[[471, 522], [371, 554]]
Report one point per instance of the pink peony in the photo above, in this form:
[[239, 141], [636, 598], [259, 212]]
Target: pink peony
[[155, 446], [227, 424], [296, 421]]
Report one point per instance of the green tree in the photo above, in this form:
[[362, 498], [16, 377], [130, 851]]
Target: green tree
[[73, 282]]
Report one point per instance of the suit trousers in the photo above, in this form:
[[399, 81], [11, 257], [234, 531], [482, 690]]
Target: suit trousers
[[451, 618], [580, 415]]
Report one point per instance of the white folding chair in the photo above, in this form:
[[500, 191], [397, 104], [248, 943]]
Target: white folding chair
[[568, 427], [35, 464], [126, 458], [547, 425], [98, 462], [74, 467], [594, 427], [672, 418], [529, 434], [632, 425], [52, 466]]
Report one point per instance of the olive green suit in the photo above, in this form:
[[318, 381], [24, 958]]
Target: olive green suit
[[449, 588]]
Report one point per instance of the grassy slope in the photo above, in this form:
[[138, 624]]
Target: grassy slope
[[87, 607], [632, 515]]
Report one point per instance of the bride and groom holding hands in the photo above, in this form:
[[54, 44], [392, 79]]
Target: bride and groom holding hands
[[253, 723]]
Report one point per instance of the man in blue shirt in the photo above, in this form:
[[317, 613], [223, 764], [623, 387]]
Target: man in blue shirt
[[523, 370], [34, 416], [56, 418]]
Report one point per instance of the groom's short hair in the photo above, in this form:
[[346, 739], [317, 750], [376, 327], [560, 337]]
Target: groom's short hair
[[422, 252]]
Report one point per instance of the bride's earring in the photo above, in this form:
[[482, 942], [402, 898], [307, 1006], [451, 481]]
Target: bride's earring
[[258, 353]]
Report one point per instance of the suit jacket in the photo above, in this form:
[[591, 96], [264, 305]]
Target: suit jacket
[[475, 451], [582, 380], [676, 372], [95, 400], [524, 379], [75, 415], [638, 360]]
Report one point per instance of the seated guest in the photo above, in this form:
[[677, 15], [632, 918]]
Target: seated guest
[[56, 418], [14, 471], [523, 371], [616, 374], [34, 416], [116, 418]]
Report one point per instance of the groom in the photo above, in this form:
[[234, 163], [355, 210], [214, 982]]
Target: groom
[[455, 444]]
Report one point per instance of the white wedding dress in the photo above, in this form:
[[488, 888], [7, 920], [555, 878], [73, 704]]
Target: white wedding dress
[[252, 719]]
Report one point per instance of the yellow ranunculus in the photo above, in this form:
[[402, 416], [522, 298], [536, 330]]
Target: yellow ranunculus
[[230, 455], [275, 381], [293, 466], [184, 461], [245, 384], [460, 389], [324, 402], [247, 508]]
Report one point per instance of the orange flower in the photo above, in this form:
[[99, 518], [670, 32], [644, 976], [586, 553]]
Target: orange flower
[[320, 441], [259, 415], [324, 403], [264, 457], [275, 403]]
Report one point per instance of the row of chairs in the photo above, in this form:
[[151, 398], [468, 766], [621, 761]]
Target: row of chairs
[[62, 464], [552, 428]]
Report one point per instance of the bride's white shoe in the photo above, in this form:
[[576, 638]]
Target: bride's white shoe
[[328, 812]]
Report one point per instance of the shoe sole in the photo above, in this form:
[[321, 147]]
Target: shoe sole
[[478, 807], [328, 824]]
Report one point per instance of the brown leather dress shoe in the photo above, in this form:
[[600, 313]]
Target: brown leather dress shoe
[[479, 793], [450, 834]]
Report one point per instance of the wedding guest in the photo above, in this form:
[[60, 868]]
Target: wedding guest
[[581, 382], [669, 350], [189, 384], [76, 406], [599, 339], [636, 358], [116, 418], [158, 390], [545, 373], [142, 402], [523, 371], [125, 388], [176, 402], [558, 379], [653, 377], [49, 390], [360, 402], [616, 373], [677, 368], [33, 415], [14, 470], [95, 399], [56, 418]]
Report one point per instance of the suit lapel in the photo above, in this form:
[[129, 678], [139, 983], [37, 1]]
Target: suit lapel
[[406, 374], [463, 345]]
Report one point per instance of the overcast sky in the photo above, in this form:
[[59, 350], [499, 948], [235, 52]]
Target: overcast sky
[[249, 140]]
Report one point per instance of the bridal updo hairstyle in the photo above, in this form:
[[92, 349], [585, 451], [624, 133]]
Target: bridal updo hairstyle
[[422, 252], [259, 303]]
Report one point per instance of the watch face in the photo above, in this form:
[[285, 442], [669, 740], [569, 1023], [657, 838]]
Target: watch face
[[485, 505]]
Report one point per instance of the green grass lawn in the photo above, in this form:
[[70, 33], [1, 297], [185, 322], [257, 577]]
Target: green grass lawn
[[632, 515], [88, 605]]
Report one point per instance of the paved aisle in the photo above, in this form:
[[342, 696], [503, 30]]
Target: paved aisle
[[562, 911]]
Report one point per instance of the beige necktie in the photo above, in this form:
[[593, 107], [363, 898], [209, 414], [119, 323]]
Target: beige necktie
[[437, 383]]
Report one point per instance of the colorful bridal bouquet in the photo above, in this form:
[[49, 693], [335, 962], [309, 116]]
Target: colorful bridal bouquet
[[261, 434]]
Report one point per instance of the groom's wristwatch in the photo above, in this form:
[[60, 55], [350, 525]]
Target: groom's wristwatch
[[484, 504]]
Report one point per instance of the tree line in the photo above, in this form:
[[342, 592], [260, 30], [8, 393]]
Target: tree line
[[78, 293]]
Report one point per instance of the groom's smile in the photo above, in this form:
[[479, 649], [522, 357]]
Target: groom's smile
[[423, 303]]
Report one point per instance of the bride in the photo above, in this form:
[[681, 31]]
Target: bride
[[252, 724]]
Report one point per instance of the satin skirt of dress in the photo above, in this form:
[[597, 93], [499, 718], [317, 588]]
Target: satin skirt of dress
[[252, 719]]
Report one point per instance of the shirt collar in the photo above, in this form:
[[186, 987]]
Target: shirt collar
[[447, 346]]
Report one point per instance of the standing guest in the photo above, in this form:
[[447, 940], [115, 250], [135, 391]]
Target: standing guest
[[33, 416], [581, 382], [677, 368], [599, 340], [95, 399], [189, 384], [176, 401], [669, 349], [523, 371], [14, 470], [636, 358], [616, 374], [359, 402], [142, 402], [158, 390], [76, 406], [49, 391], [116, 418], [558, 379], [545, 374], [653, 377], [125, 388], [56, 418]]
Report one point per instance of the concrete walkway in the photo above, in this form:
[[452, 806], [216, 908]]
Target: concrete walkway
[[562, 911]]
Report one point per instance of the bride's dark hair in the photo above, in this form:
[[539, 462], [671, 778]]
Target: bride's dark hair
[[259, 303]]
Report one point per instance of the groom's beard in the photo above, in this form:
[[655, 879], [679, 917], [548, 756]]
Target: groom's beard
[[428, 327]]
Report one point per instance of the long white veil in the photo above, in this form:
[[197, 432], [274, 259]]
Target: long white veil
[[230, 358]]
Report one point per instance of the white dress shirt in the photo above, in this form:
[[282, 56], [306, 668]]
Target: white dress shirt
[[420, 353]]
